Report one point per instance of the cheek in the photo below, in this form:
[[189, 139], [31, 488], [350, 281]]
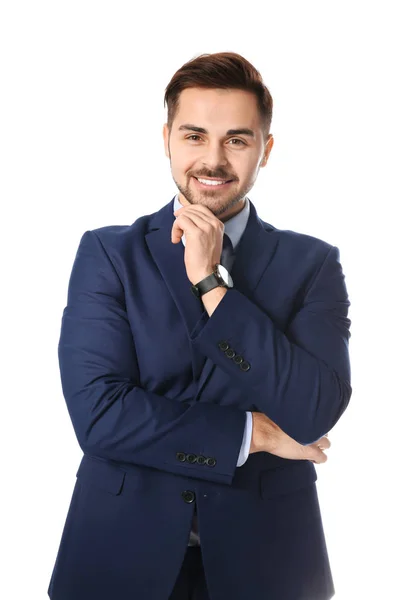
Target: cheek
[[250, 168], [243, 173], [182, 161], [244, 164]]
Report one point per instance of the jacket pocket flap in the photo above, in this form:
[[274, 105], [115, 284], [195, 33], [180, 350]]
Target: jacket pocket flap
[[101, 474], [290, 478]]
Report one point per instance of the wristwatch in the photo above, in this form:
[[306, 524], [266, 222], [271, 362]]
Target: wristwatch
[[219, 277]]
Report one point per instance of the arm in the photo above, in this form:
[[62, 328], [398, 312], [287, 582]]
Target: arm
[[113, 417], [300, 379]]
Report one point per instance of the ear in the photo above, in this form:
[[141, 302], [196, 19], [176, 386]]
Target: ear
[[268, 148], [166, 136]]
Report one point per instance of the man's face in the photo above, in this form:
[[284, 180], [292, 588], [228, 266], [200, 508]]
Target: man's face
[[215, 153]]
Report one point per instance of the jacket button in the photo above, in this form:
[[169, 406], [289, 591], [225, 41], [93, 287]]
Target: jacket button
[[245, 366], [223, 345], [201, 460], [211, 462], [230, 353], [191, 458], [238, 359], [181, 456], [188, 496]]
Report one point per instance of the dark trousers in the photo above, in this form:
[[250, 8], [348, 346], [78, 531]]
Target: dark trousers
[[191, 583]]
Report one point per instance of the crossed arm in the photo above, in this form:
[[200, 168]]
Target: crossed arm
[[300, 378]]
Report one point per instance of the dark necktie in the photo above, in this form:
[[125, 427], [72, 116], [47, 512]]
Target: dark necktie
[[227, 255]]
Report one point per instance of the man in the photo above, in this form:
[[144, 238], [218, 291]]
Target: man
[[203, 357]]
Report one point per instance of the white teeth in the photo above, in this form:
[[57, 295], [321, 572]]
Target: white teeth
[[209, 182]]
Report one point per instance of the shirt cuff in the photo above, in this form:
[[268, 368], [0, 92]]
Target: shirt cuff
[[248, 433]]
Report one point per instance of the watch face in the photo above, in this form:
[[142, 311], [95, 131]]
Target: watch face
[[225, 276]]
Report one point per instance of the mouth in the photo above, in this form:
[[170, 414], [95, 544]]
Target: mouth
[[211, 184]]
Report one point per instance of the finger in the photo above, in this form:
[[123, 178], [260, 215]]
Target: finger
[[323, 443], [182, 224], [196, 214], [316, 455], [198, 208], [319, 458], [189, 224]]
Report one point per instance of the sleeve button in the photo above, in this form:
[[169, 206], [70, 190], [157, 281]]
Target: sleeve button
[[245, 366], [223, 345]]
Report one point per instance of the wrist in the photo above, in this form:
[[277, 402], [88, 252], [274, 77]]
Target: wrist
[[266, 433]]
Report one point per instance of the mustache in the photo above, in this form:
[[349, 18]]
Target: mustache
[[214, 176]]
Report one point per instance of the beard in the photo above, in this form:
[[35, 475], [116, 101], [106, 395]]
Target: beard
[[217, 202]]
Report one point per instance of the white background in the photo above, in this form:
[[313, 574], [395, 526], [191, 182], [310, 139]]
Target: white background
[[82, 87]]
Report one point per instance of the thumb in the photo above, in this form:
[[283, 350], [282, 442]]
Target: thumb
[[315, 454]]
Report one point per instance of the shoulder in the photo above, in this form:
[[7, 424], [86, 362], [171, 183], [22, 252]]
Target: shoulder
[[120, 237], [298, 245]]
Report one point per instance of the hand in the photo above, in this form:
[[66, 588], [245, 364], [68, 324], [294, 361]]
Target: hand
[[203, 236], [268, 437]]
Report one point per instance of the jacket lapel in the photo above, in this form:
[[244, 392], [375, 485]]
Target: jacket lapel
[[252, 257]]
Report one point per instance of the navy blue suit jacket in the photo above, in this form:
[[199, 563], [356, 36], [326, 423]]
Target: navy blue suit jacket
[[157, 392]]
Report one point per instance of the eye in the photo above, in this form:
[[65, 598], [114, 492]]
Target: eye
[[233, 139]]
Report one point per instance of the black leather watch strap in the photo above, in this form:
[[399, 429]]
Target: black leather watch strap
[[205, 285]]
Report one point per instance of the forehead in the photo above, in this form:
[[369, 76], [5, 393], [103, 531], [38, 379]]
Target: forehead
[[217, 109]]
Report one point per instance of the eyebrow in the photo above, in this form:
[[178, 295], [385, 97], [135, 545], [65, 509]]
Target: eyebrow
[[241, 131]]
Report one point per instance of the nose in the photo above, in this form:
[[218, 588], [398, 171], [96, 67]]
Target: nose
[[214, 157]]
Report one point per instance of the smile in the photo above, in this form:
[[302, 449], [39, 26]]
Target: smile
[[208, 183]]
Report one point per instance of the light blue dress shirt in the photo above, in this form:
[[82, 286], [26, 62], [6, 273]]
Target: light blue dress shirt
[[234, 228]]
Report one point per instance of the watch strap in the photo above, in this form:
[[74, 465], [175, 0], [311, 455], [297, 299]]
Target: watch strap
[[208, 283]]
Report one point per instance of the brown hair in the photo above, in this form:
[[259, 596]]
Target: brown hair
[[227, 70]]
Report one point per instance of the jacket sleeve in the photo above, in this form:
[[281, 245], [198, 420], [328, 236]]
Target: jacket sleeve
[[112, 416], [300, 377]]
